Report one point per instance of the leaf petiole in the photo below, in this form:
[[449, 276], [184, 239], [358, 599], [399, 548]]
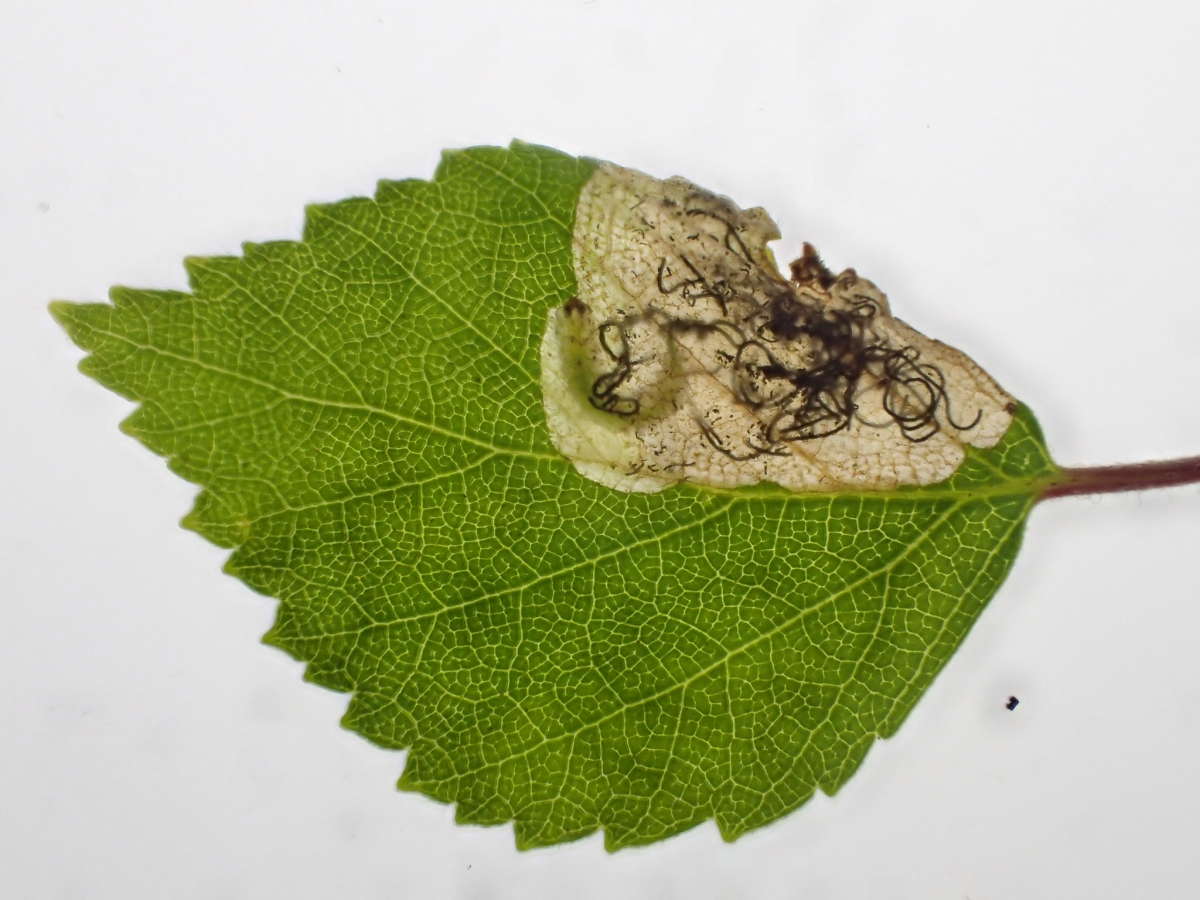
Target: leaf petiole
[[1130, 477]]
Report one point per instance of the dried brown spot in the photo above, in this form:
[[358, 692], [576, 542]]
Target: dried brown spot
[[809, 269]]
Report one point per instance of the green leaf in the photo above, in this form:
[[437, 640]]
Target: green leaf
[[364, 412]]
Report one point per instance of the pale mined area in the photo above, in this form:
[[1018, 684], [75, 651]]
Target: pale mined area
[[648, 377]]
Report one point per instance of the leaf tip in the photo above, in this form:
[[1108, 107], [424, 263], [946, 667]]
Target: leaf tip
[[60, 311], [78, 320], [70, 318]]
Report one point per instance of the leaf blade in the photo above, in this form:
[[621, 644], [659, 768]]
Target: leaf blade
[[363, 413]]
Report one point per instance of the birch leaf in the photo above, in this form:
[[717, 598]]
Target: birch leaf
[[608, 522]]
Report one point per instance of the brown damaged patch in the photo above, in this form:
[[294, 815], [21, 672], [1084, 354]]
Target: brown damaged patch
[[686, 356]]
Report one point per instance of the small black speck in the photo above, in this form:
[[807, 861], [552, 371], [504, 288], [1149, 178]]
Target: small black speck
[[1011, 704]]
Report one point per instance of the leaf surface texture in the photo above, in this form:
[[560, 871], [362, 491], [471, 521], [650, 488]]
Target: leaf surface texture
[[362, 410]]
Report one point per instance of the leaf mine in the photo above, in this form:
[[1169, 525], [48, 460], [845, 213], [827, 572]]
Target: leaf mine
[[687, 356]]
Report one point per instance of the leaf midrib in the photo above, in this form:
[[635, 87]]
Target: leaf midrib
[[1007, 486]]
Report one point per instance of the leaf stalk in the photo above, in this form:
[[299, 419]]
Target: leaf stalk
[[1131, 477]]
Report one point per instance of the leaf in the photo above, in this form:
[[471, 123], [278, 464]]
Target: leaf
[[364, 412]]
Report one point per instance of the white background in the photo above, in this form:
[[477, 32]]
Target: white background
[[1022, 179]]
